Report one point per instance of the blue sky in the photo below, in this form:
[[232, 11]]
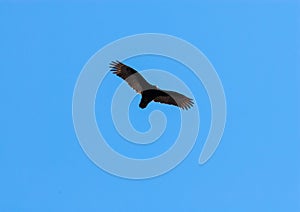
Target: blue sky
[[254, 47]]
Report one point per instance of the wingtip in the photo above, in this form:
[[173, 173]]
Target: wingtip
[[116, 62], [188, 104], [115, 65]]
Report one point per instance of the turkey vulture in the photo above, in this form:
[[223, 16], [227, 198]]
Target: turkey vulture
[[149, 92]]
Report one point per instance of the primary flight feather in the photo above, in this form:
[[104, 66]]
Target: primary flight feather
[[149, 92]]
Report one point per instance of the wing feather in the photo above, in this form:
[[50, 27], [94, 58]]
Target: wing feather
[[174, 98], [131, 76]]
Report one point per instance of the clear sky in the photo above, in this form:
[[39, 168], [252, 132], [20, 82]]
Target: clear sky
[[254, 47]]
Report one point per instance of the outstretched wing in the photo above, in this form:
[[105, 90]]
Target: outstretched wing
[[131, 76], [174, 98]]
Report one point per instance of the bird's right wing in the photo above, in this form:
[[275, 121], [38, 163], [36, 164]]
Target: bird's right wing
[[174, 98], [131, 76]]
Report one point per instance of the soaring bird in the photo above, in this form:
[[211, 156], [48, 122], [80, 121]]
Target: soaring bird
[[149, 92]]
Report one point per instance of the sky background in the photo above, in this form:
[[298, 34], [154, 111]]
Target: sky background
[[254, 47]]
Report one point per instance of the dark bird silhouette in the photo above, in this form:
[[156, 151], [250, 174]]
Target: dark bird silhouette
[[149, 92]]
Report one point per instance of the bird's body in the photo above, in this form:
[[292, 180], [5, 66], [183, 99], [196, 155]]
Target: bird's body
[[149, 92], [150, 95]]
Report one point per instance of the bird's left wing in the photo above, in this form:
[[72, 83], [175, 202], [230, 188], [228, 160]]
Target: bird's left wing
[[131, 76], [174, 98]]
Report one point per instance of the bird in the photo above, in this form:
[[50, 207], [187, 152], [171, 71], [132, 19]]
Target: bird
[[148, 91]]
